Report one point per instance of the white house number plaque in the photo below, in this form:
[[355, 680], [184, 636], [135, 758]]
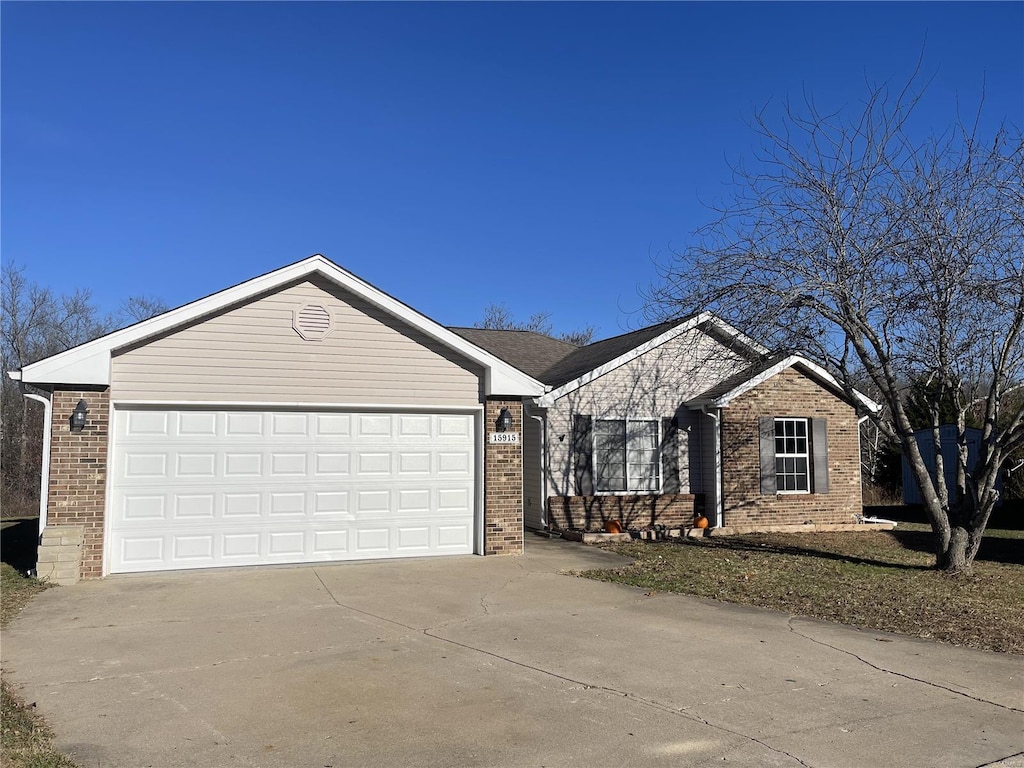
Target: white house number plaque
[[508, 438]]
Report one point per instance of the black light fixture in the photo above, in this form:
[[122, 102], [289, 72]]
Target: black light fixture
[[504, 422], [78, 416]]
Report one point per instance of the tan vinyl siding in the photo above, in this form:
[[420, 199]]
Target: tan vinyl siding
[[251, 353], [653, 386]]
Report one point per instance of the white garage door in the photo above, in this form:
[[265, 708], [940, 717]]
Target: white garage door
[[203, 488]]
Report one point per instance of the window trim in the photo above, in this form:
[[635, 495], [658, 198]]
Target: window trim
[[659, 471], [806, 455]]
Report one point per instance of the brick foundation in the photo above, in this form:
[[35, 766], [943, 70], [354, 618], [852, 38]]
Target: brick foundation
[[503, 484], [791, 394], [672, 510], [78, 475]]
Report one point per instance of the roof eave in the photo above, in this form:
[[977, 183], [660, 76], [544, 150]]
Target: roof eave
[[815, 370], [89, 363], [571, 386]]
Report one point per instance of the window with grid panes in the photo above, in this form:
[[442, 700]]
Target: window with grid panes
[[792, 456], [626, 455]]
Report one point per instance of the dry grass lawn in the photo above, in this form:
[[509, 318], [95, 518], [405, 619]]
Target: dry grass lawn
[[25, 740], [881, 580]]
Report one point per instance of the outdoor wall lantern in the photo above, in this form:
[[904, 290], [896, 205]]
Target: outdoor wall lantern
[[78, 417], [504, 423]]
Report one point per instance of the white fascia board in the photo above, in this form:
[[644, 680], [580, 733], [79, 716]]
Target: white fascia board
[[89, 363], [816, 371], [548, 400], [738, 335], [14, 375]]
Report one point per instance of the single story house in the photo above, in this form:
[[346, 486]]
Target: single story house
[[305, 416]]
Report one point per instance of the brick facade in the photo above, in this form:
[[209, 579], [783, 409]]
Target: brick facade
[[589, 513], [503, 484], [789, 394], [78, 473]]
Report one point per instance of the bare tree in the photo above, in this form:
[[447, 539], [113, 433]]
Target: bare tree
[[135, 309], [499, 317], [891, 259], [35, 323]]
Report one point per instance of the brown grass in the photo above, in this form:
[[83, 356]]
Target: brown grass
[[881, 580], [25, 740]]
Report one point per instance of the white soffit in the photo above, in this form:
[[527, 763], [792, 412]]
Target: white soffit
[[89, 363]]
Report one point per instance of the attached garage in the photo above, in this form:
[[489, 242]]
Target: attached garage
[[301, 416], [197, 488]]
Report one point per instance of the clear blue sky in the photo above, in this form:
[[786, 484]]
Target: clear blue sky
[[452, 154]]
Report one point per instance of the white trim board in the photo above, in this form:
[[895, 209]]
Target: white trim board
[[89, 363], [546, 401], [305, 406], [815, 370]]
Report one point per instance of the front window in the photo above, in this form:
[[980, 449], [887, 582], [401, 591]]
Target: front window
[[626, 455], [792, 463]]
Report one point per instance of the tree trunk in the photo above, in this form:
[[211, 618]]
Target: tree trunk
[[956, 561]]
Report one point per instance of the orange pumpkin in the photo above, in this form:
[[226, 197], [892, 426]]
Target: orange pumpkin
[[700, 522], [613, 526]]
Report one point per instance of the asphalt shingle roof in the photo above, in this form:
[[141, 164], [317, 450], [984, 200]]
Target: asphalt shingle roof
[[532, 353], [585, 359], [553, 361], [740, 377]]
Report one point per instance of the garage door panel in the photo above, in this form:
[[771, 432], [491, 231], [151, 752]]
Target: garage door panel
[[415, 426], [374, 425], [145, 423], [332, 464], [141, 507], [455, 426], [241, 505], [290, 425], [332, 424], [147, 466], [142, 552], [200, 488], [240, 548], [194, 506], [243, 425], [330, 543], [197, 424], [196, 465], [454, 537]]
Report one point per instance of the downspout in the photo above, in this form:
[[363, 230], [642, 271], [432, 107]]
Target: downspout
[[44, 474], [716, 416], [543, 424]]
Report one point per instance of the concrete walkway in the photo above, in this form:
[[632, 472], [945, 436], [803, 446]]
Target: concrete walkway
[[497, 661]]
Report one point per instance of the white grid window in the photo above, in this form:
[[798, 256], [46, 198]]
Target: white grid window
[[626, 456], [792, 459]]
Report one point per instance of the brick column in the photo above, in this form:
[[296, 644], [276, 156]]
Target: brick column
[[78, 473], [503, 483]]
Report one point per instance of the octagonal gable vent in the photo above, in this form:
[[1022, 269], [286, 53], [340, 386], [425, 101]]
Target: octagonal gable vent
[[312, 322]]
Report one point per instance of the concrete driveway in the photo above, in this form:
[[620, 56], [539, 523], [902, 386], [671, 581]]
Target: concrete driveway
[[497, 661]]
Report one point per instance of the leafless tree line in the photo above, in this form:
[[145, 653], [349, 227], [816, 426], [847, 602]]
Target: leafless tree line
[[36, 323]]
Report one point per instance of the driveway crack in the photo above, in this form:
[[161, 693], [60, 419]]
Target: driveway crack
[[430, 632], [911, 678], [997, 761], [617, 692]]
